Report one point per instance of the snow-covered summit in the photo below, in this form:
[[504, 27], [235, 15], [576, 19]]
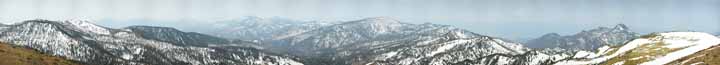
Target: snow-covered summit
[[73, 24], [620, 27]]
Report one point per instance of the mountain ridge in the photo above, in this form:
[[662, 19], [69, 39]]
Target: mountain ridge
[[121, 46], [586, 39], [387, 41]]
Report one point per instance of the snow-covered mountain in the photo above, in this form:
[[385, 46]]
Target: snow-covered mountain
[[146, 45], [585, 40], [653, 49]]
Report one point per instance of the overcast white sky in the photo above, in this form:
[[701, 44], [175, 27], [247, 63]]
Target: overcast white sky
[[501, 18]]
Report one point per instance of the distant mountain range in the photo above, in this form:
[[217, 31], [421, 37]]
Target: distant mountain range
[[257, 28], [387, 41], [370, 41], [585, 40]]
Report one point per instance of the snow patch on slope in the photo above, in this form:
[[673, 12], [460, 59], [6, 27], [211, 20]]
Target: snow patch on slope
[[632, 45], [695, 40], [447, 46], [86, 26], [387, 55], [509, 46]]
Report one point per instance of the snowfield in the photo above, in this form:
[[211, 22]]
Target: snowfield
[[690, 42], [694, 41]]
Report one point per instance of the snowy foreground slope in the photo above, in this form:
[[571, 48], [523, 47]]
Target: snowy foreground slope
[[706, 57], [652, 49]]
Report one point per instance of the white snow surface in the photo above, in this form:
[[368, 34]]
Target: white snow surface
[[587, 54], [694, 41], [388, 55], [583, 54], [86, 26], [448, 46]]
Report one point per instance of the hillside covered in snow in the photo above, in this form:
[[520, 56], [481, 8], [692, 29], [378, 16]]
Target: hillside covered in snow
[[652, 49]]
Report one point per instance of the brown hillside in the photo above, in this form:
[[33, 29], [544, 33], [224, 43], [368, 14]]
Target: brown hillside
[[12, 55]]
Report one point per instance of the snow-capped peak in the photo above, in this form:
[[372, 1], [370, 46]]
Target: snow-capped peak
[[73, 24], [460, 33], [621, 27], [85, 25]]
